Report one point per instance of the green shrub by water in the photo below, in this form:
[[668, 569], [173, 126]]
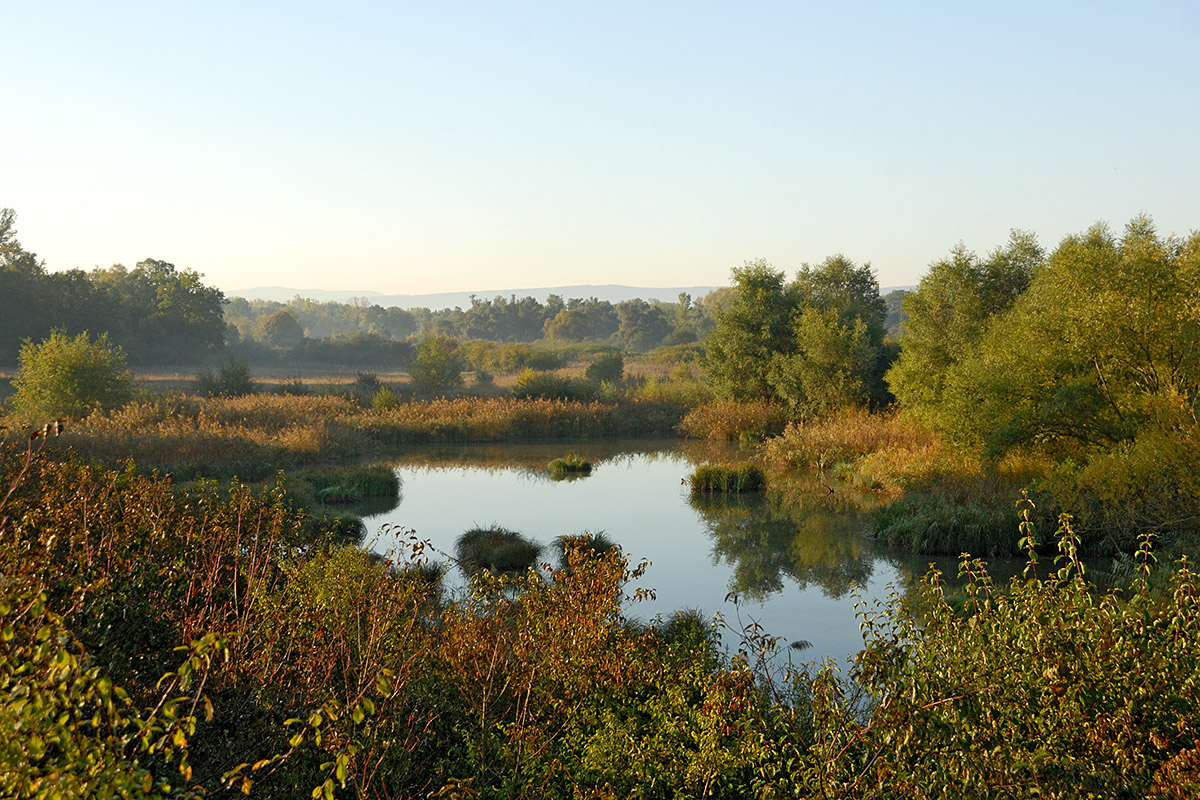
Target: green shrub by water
[[727, 478]]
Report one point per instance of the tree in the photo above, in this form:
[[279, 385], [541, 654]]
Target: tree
[[1105, 341], [582, 320], [608, 367], [642, 327], [436, 367], [830, 366], [752, 327], [848, 290], [813, 344], [950, 311], [71, 377], [282, 330]]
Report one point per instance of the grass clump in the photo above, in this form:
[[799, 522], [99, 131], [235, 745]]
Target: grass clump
[[338, 485], [727, 478], [956, 513], [495, 549], [572, 465]]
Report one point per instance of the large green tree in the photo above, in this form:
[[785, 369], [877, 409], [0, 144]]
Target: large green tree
[[948, 314], [813, 344], [1105, 340], [752, 327]]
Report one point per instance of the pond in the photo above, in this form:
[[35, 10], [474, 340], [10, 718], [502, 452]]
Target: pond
[[795, 568]]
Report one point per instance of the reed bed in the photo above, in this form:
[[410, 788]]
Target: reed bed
[[729, 419], [256, 435]]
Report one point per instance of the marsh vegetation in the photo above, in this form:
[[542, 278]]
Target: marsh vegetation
[[186, 611]]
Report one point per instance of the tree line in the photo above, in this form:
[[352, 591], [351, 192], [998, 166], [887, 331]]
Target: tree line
[[635, 325], [156, 312], [1082, 364]]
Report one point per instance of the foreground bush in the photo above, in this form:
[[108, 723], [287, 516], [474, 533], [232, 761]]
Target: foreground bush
[[204, 638]]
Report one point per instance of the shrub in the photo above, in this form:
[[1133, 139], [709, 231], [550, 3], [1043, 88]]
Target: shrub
[[232, 379], [548, 386], [366, 385], [727, 478], [436, 368], [610, 367], [384, 399], [67, 376]]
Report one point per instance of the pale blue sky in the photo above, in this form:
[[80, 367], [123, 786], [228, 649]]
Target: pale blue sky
[[443, 146]]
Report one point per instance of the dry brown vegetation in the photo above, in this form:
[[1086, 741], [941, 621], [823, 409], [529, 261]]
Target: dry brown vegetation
[[255, 435]]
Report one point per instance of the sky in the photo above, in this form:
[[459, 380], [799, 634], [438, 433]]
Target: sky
[[452, 146]]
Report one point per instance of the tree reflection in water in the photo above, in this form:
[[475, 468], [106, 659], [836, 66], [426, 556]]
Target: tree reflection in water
[[765, 540]]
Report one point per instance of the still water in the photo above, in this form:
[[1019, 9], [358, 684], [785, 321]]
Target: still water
[[797, 571]]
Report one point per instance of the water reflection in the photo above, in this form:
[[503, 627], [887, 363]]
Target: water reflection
[[791, 559], [765, 540]]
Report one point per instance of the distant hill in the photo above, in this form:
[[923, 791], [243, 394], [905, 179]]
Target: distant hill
[[613, 293]]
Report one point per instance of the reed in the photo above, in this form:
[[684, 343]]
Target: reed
[[255, 436], [727, 478], [729, 419]]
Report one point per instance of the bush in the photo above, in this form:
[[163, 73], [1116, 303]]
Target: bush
[[548, 386], [437, 368], [366, 385], [384, 399], [67, 376], [232, 379], [610, 367]]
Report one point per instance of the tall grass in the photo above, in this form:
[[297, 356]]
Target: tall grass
[[855, 436], [256, 435], [729, 419], [727, 478]]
